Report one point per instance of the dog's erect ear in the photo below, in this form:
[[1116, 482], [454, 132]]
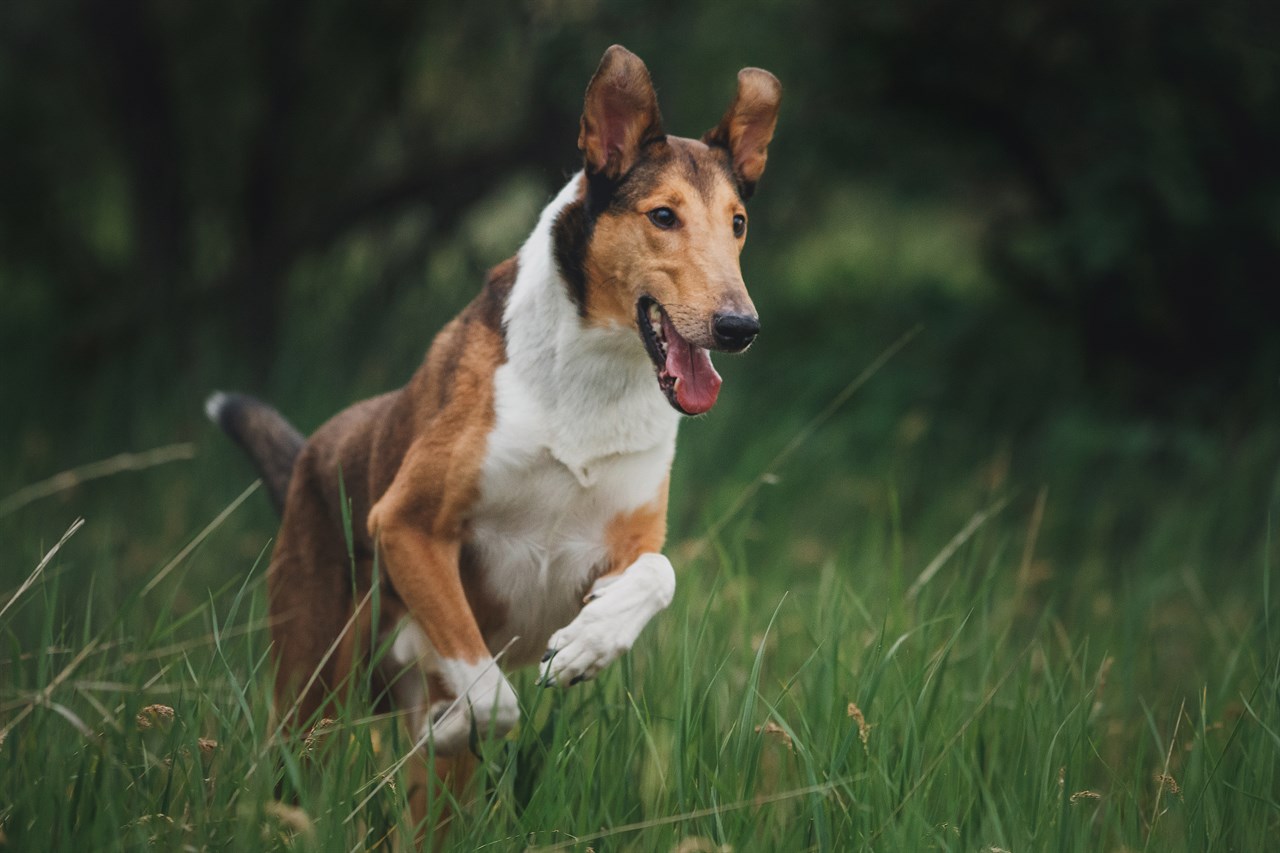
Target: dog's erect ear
[[748, 124], [620, 114]]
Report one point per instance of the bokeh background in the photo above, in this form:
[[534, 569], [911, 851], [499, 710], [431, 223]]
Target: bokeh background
[[1078, 204]]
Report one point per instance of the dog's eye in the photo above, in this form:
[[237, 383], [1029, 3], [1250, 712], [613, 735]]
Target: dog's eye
[[663, 217], [739, 225]]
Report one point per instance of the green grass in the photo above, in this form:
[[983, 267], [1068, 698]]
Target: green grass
[[1055, 617], [1007, 700]]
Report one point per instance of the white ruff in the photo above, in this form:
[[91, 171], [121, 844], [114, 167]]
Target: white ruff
[[582, 433], [595, 389]]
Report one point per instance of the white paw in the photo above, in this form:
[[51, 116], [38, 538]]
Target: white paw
[[488, 704], [617, 610], [579, 651]]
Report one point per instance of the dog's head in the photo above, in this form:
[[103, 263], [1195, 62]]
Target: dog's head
[[653, 243]]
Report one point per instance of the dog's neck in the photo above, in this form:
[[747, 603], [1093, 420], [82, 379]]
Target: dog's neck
[[592, 387]]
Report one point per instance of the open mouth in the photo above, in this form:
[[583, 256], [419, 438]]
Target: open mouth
[[685, 373]]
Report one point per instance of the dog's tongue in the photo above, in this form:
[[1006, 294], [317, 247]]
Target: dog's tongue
[[697, 383]]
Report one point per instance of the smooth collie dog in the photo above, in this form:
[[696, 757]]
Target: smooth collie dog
[[514, 492]]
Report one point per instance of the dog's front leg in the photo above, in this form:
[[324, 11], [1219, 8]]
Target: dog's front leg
[[618, 607], [425, 575], [421, 550]]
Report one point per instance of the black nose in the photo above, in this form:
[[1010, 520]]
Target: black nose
[[735, 331]]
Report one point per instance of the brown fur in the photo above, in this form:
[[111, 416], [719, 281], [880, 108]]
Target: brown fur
[[410, 460], [641, 531], [620, 114], [748, 125], [408, 457], [692, 269]]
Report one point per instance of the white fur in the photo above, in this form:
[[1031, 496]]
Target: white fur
[[612, 620], [214, 405], [582, 433], [485, 697], [593, 389]]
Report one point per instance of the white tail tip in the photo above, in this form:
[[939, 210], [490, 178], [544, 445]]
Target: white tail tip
[[214, 405]]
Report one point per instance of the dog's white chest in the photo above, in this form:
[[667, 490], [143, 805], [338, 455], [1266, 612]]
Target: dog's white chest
[[538, 531]]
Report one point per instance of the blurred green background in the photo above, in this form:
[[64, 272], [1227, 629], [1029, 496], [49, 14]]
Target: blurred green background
[[1079, 203]]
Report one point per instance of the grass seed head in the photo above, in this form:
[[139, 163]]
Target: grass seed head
[[317, 734], [1164, 780], [772, 728], [154, 715], [864, 728], [290, 818]]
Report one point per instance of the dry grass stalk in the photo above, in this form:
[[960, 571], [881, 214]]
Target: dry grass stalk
[[864, 728], [93, 471], [772, 728], [317, 734]]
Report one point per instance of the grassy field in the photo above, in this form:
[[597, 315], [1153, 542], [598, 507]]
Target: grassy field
[[953, 603]]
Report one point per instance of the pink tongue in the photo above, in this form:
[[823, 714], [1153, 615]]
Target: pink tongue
[[698, 383]]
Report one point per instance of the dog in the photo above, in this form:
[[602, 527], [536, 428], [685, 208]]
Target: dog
[[512, 496]]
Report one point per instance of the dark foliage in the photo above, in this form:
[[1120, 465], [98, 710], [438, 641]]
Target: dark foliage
[[1129, 151], [168, 165]]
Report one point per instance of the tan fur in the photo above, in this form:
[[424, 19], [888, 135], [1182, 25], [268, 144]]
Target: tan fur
[[410, 460], [641, 531], [748, 124], [692, 270], [419, 519], [419, 450], [620, 113], [435, 427]]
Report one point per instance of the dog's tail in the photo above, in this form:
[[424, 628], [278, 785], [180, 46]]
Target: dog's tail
[[271, 442]]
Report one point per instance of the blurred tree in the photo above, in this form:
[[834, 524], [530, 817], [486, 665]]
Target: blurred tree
[[167, 165], [169, 160], [1130, 151]]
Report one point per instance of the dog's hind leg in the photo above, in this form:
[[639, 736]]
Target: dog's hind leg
[[314, 629], [438, 791], [437, 788]]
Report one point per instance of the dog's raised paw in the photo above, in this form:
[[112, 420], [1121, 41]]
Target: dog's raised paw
[[579, 652]]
